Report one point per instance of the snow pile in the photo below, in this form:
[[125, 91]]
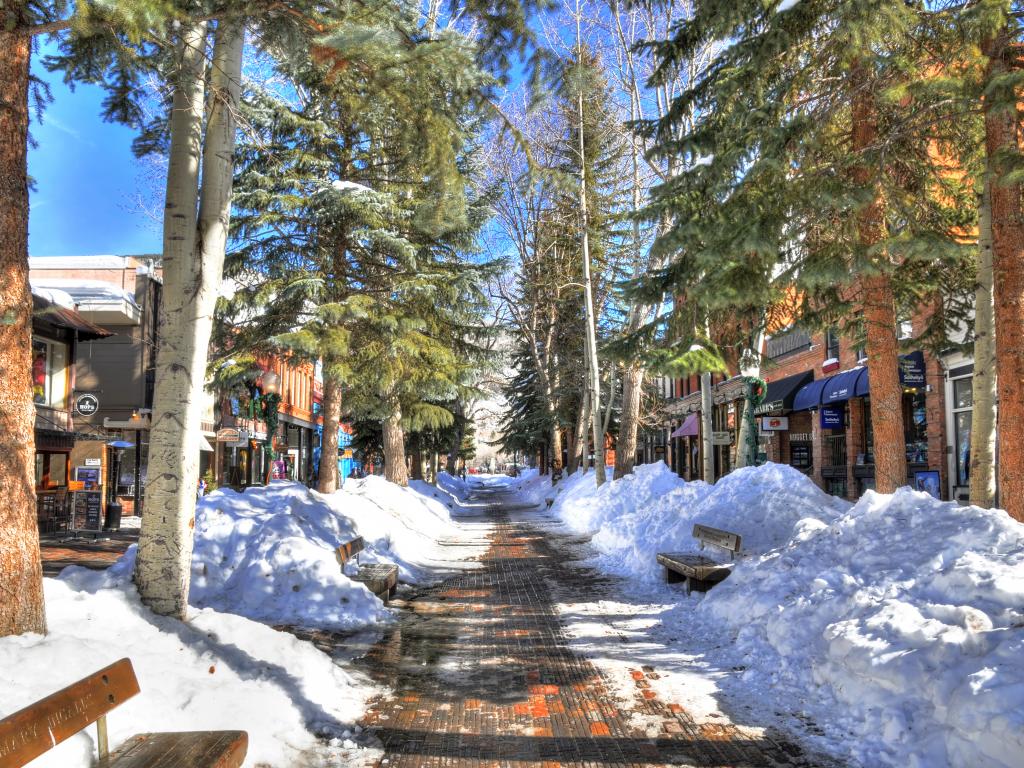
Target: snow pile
[[903, 621], [531, 486], [269, 553], [218, 671], [653, 510]]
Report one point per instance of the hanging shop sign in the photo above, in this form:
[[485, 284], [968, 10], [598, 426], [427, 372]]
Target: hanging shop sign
[[831, 417], [721, 438], [228, 435], [775, 424], [912, 370], [87, 404]]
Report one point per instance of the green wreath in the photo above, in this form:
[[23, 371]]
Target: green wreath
[[758, 389]]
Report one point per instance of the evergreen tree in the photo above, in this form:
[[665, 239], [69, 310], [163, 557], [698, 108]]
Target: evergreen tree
[[807, 170]]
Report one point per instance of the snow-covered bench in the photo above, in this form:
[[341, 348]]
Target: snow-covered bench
[[699, 572], [379, 578], [39, 727]]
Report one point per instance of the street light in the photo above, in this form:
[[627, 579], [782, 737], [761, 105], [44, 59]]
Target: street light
[[270, 399]]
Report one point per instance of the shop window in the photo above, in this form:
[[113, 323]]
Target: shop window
[[49, 372], [915, 427], [835, 486], [51, 470], [963, 401]]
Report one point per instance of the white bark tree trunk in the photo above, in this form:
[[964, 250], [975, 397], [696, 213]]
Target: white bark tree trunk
[[578, 454], [983, 415], [707, 403], [751, 367], [193, 266]]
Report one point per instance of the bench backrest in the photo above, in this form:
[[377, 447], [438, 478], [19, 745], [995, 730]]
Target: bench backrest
[[717, 537], [349, 549], [29, 732]]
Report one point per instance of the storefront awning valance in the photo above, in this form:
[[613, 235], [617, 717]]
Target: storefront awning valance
[[856, 383], [690, 427], [781, 393], [842, 386]]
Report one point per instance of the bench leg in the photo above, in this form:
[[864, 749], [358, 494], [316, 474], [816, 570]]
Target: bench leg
[[672, 577]]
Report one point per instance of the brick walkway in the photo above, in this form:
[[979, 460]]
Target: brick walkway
[[60, 551], [483, 677]]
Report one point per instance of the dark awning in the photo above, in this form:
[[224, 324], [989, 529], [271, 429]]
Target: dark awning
[[842, 386], [690, 427], [809, 395], [62, 317], [781, 393]]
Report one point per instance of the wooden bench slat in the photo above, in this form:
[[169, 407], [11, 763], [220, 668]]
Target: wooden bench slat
[[379, 578], [349, 549], [29, 732], [717, 537], [210, 749], [695, 566]]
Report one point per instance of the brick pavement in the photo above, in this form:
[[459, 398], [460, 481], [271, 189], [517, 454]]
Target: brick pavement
[[60, 551], [483, 677]]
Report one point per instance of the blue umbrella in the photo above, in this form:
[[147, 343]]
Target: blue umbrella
[[120, 444]]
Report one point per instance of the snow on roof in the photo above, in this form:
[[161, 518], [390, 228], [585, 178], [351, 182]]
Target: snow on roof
[[89, 262], [84, 291], [54, 295]]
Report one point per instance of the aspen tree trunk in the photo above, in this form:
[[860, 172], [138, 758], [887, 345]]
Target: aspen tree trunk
[[1003, 135], [21, 575], [555, 449], [707, 404], [629, 420], [752, 368], [983, 410], [879, 305], [165, 542], [328, 480], [593, 371], [435, 465], [395, 470], [578, 453]]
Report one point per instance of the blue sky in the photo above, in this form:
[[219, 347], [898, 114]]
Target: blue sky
[[87, 181]]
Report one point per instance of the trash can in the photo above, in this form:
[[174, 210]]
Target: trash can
[[113, 519]]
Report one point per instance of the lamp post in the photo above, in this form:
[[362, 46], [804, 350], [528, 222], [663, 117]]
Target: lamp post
[[270, 399]]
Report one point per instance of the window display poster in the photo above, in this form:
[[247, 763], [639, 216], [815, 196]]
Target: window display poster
[[90, 476]]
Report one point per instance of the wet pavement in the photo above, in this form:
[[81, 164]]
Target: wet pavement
[[482, 675]]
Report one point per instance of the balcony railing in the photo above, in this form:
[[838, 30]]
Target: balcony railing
[[52, 418]]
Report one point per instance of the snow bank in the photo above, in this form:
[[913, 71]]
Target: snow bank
[[218, 671], [653, 510], [903, 621], [269, 553]]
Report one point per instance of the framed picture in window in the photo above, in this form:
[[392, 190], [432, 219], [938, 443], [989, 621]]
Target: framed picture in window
[[928, 481]]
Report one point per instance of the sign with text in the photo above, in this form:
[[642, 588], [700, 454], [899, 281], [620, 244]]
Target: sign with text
[[86, 509], [87, 404], [912, 372], [228, 435], [775, 423], [831, 417], [721, 438], [800, 455]]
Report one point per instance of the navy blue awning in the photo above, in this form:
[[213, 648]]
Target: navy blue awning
[[809, 395], [842, 386]]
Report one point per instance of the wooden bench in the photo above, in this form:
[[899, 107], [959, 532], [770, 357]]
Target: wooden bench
[[39, 727], [699, 572], [379, 578]]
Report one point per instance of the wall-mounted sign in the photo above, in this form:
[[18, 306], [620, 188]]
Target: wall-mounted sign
[[775, 423], [94, 462], [87, 404], [721, 438], [912, 370], [228, 435], [800, 455], [831, 417]]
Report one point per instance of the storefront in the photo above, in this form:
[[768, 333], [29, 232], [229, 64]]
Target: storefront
[[785, 435], [842, 438]]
